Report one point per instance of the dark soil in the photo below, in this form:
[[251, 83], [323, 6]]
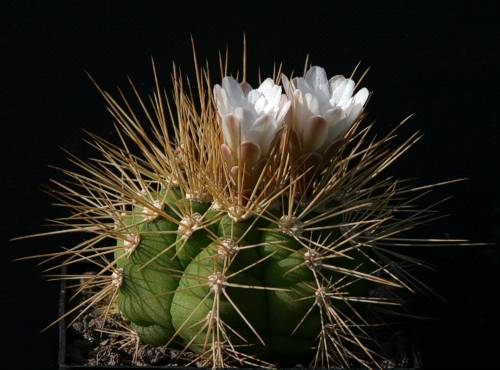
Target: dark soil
[[88, 345]]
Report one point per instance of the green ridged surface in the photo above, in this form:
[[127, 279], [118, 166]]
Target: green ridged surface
[[165, 286]]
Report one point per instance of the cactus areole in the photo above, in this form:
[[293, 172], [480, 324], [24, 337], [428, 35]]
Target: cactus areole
[[248, 226]]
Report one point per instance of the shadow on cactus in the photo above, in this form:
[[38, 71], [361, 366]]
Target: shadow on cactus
[[246, 225]]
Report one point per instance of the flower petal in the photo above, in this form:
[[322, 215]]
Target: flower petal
[[332, 116], [250, 115], [312, 103], [315, 134], [342, 89], [338, 129], [245, 87], [285, 105], [226, 154], [361, 96], [249, 155], [287, 84], [247, 118], [302, 85], [301, 112], [221, 100], [353, 113], [316, 77], [233, 90], [332, 100], [262, 132], [231, 130]]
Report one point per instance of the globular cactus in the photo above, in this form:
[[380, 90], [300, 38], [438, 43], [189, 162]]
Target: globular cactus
[[246, 225]]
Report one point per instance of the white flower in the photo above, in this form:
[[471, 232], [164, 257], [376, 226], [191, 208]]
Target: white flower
[[323, 110], [250, 118]]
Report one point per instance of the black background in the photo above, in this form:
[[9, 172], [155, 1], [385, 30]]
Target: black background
[[438, 60]]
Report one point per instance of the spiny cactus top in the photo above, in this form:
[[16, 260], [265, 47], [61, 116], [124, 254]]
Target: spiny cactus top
[[246, 225]]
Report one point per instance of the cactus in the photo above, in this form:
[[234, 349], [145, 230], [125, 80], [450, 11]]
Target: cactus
[[247, 226]]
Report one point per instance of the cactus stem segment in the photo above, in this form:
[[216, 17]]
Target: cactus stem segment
[[131, 242], [216, 282], [189, 224], [291, 225]]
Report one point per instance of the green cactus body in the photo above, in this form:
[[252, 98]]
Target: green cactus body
[[246, 225], [256, 274]]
